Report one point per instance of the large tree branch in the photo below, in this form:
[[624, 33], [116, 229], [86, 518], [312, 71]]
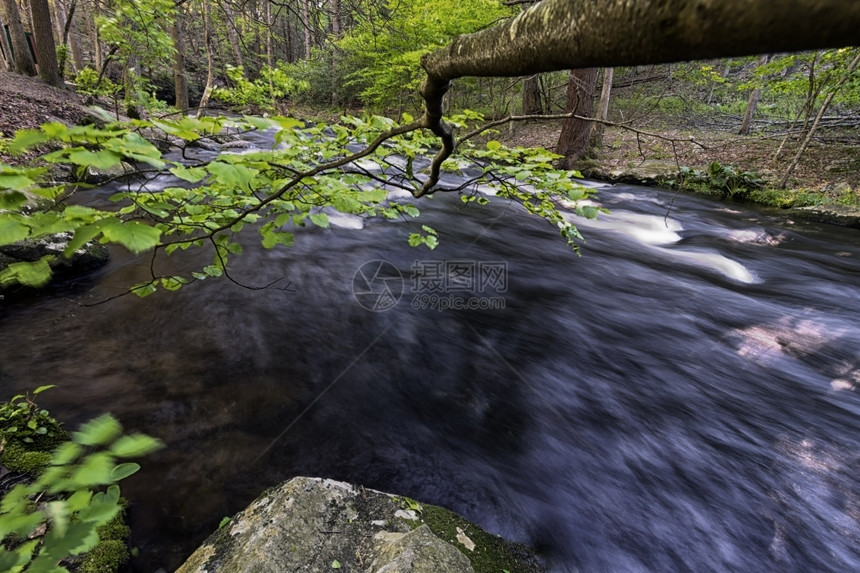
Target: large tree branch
[[566, 34]]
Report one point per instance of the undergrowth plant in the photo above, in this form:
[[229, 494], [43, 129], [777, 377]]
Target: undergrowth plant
[[58, 515]]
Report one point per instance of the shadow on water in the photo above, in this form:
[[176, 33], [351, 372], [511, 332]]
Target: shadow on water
[[681, 398]]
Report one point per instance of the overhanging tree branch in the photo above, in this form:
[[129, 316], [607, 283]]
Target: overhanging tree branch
[[567, 34]]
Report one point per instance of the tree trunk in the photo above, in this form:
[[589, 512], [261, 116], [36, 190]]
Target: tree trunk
[[90, 20], [752, 103], [8, 62], [21, 50], [532, 104], [335, 32], [180, 80], [71, 35], [270, 55], [46, 48], [575, 133], [233, 36], [817, 121], [602, 109], [306, 24], [210, 61]]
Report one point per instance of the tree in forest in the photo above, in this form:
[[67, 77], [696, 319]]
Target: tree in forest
[[46, 48], [23, 61], [752, 103], [602, 109], [138, 34], [575, 137]]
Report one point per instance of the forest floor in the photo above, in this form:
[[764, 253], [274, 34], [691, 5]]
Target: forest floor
[[830, 168], [826, 166]]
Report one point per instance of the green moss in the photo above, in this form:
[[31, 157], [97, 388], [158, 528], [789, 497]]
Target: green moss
[[17, 458], [492, 554], [116, 529], [107, 557]]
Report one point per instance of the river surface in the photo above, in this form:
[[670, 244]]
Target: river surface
[[683, 397]]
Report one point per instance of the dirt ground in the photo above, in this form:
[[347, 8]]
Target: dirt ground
[[26, 103]]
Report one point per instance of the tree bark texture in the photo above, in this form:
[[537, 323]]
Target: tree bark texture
[[210, 61], [8, 62], [23, 60], [180, 80], [532, 104], [567, 34], [46, 48], [306, 23], [602, 109], [752, 104], [233, 36], [573, 140]]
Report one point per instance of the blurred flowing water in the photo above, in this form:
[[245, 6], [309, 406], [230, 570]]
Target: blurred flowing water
[[684, 397]]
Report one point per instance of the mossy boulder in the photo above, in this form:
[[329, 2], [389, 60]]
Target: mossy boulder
[[311, 524]]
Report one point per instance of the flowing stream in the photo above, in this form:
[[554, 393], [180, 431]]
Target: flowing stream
[[683, 397]]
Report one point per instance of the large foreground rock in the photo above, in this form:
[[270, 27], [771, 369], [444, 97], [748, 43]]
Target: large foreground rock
[[312, 525]]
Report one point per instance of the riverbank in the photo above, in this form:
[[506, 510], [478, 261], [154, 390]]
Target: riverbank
[[825, 185]]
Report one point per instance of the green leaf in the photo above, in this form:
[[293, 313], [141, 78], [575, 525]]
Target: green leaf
[[12, 229], [133, 235], [122, 471], [410, 210], [319, 219], [95, 470], [335, 564], [272, 238], [190, 174], [14, 181], [100, 431], [82, 236], [173, 283], [26, 138], [257, 122], [233, 176], [287, 123], [66, 453], [41, 389], [32, 274], [494, 145], [143, 289], [135, 445], [103, 159], [224, 521]]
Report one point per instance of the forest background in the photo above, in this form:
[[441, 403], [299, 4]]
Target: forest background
[[780, 129]]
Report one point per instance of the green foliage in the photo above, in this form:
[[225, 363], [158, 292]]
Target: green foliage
[[263, 94], [384, 49], [62, 57], [721, 179], [274, 193], [22, 421], [74, 501], [138, 29]]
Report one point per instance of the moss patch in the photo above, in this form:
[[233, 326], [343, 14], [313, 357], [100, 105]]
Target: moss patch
[[492, 554]]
